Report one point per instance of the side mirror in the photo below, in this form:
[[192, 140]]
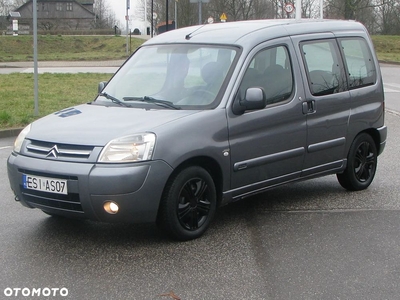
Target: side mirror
[[101, 86], [254, 98]]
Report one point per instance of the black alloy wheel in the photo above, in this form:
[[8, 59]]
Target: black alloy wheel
[[193, 206], [188, 204], [361, 164]]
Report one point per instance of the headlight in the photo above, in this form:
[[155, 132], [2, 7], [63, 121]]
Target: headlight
[[20, 139], [131, 148]]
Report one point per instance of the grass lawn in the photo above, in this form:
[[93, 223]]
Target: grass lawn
[[57, 47], [69, 48], [387, 47], [56, 91]]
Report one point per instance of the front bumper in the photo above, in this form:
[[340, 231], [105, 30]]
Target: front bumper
[[137, 188]]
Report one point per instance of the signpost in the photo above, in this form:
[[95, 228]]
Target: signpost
[[14, 17], [200, 12], [289, 9]]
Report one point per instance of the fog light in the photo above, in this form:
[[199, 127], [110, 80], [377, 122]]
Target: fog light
[[111, 207]]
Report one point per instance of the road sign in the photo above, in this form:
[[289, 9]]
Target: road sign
[[289, 8], [223, 17]]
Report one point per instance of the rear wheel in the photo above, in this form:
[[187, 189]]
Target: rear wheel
[[361, 164], [188, 204]]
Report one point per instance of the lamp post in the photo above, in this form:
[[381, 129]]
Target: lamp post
[[321, 9], [127, 25], [166, 17], [35, 58], [298, 9], [176, 14], [152, 18]]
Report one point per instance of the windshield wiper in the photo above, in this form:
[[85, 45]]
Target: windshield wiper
[[148, 99], [114, 100]]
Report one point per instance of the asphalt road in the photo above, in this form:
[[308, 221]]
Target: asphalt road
[[62, 67], [391, 80], [308, 240]]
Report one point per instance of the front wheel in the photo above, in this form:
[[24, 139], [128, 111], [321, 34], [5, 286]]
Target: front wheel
[[188, 204], [361, 164]]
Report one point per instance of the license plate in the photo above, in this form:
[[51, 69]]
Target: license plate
[[45, 184]]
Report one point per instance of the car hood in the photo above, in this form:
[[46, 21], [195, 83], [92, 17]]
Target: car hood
[[96, 125]]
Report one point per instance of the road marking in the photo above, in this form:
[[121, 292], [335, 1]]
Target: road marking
[[393, 84], [391, 87], [6, 147], [390, 90]]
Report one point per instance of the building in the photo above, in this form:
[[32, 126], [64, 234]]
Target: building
[[59, 14]]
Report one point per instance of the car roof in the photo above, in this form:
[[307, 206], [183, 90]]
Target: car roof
[[254, 31]]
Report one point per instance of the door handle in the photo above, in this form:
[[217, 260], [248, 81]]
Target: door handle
[[309, 107]]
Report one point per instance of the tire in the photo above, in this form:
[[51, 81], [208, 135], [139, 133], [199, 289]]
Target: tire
[[188, 204], [362, 161]]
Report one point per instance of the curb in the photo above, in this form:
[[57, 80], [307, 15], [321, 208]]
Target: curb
[[56, 64], [12, 132]]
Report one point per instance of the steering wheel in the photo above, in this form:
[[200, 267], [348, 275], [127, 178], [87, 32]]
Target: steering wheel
[[198, 97]]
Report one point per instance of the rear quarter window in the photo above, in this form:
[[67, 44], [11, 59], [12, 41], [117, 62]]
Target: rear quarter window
[[360, 65]]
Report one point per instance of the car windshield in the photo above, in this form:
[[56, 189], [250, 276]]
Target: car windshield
[[172, 76]]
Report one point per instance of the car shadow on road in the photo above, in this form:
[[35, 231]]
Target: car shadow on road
[[310, 195], [318, 194]]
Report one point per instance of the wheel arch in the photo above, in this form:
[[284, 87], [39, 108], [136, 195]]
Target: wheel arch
[[375, 136], [210, 165]]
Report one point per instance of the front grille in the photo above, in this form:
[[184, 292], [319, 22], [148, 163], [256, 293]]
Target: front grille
[[70, 202], [48, 150]]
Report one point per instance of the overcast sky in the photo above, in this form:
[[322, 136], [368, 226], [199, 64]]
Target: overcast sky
[[119, 8]]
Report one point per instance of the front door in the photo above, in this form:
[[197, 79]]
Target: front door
[[267, 146]]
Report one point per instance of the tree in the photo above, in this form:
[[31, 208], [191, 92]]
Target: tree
[[347, 9], [387, 17], [105, 16], [379, 16], [310, 9], [5, 7]]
